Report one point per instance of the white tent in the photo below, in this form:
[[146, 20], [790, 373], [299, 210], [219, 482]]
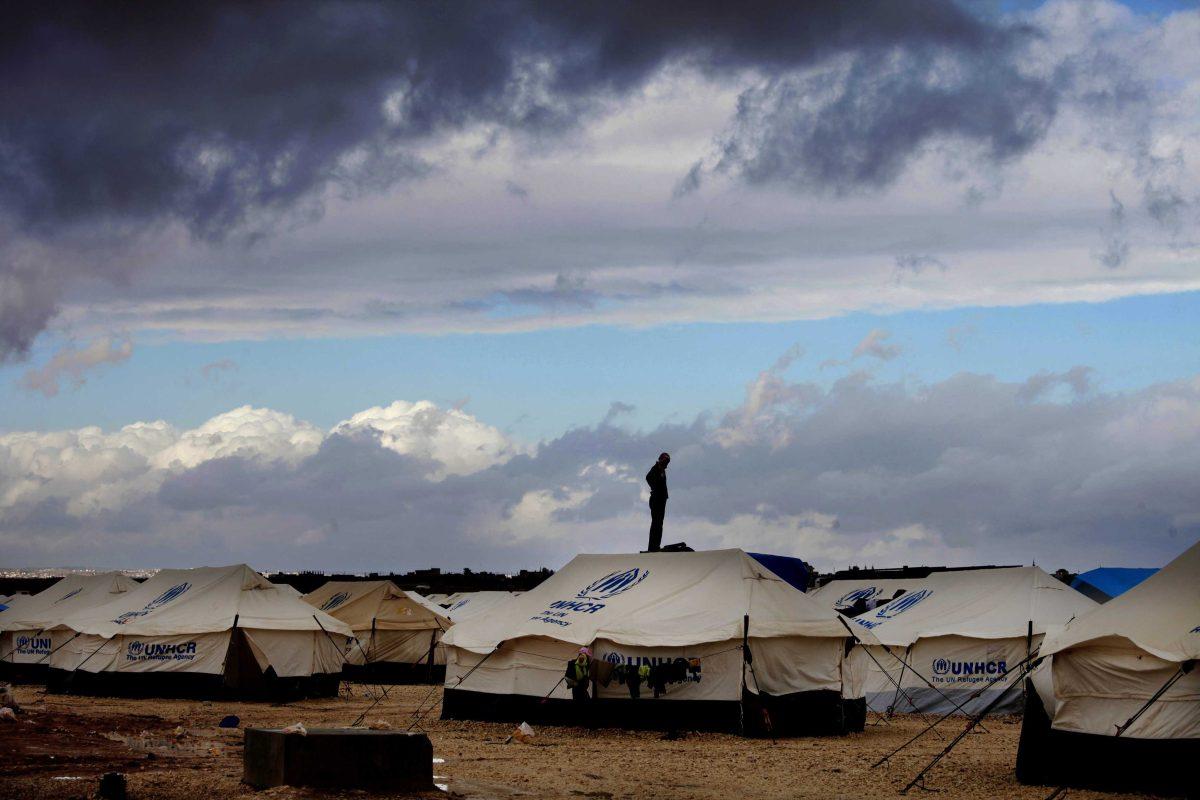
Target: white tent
[[959, 631], [1108, 664], [395, 628], [25, 628], [465, 605], [684, 609], [1107, 670], [224, 626], [844, 592], [288, 589]]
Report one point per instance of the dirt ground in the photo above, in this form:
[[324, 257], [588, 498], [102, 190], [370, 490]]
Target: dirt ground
[[174, 749]]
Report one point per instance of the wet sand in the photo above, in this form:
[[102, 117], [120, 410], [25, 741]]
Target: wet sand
[[174, 749]]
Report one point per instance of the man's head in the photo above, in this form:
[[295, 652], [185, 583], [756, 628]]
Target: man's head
[[664, 459]]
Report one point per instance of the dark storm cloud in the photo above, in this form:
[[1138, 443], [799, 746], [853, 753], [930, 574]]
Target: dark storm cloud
[[227, 118], [857, 125]]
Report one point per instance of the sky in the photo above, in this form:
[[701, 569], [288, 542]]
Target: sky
[[390, 286]]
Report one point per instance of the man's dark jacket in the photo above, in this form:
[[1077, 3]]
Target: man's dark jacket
[[657, 478]]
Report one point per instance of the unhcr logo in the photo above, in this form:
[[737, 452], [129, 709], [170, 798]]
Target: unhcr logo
[[68, 595], [903, 603], [963, 669], [335, 601], [852, 597], [156, 603], [613, 584], [161, 651], [33, 645]]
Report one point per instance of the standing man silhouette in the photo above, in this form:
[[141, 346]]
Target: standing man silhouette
[[657, 478]]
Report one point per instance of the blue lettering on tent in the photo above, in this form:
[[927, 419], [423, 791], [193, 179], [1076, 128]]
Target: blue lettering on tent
[[33, 645], [947, 671], [160, 651]]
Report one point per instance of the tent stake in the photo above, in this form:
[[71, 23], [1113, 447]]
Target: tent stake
[[978, 692], [926, 681], [886, 674], [974, 721]]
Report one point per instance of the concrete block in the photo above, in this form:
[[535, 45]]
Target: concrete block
[[338, 758]]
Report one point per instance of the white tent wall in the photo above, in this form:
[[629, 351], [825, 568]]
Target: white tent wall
[[1134, 656], [1100, 687], [183, 622], [957, 665], [26, 638], [960, 630], [1108, 664], [655, 608], [392, 626]]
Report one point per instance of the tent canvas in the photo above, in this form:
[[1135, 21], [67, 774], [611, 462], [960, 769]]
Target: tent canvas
[[656, 608], [228, 623], [25, 630], [465, 605], [1107, 664], [960, 630], [1105, 670], [393, 626], [843, 593]]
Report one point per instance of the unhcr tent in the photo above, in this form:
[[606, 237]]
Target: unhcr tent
[[1105, 583], [1108, 669], [288, 589], [468, 604], [960, 630], [686, 613], [212, 630], [399, 633], [843, 593], [25, 629]]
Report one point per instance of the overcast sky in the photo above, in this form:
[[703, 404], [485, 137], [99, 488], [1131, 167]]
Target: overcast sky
[[356, 286]]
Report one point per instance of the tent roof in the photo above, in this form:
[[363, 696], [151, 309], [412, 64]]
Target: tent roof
[[202, 600], [465, 605], [842, 593], [359, 603], [653, 599], [1110, 581], [1161, 615], [73, 593], [981, 604]]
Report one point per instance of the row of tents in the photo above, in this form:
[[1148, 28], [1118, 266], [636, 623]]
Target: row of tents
[[727, 643], [226, 630]]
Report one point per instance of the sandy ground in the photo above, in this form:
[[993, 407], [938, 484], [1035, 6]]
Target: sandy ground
[[62, 744]]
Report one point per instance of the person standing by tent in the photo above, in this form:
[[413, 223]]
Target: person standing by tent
[[579, 675], [657, 478]]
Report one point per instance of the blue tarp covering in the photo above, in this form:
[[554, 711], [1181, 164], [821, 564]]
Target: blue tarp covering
[[790, 569], [1111, 581]]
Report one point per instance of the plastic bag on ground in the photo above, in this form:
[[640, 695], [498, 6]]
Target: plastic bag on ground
[[297, 728], [7, 715], [523, 733]]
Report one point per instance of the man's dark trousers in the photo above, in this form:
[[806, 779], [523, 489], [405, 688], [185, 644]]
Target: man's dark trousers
[[658, 510]]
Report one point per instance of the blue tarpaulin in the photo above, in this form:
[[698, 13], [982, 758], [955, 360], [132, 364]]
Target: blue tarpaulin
[[790, 569], [1105, 583]]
